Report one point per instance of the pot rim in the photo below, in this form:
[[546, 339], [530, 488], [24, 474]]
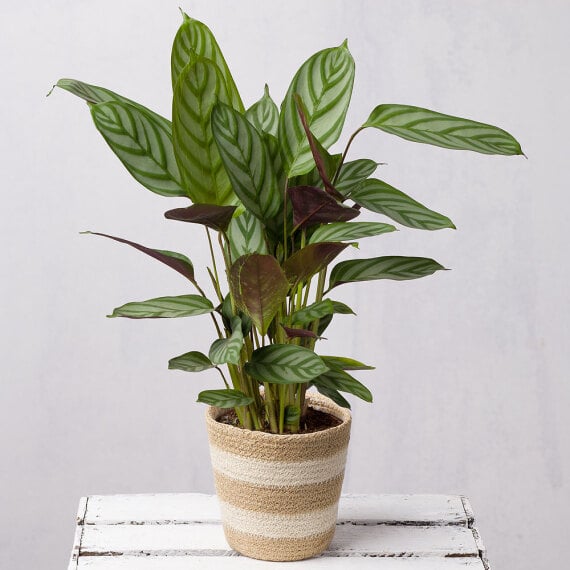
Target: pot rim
[[316, 401]]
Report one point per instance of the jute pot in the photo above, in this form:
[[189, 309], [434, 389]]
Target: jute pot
[[279, 493]]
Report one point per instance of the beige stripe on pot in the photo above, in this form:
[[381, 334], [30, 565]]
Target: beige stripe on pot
[[277, 473], [271, 525], [297, 499], [278, 549]]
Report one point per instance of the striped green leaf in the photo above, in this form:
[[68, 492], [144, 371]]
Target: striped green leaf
[[285, 364], [165, 307], [226, 350], [353, 173], [334, 395], [224, 398], [195, 38], [176, 261], [264, 114], [248, 163], [94, 94], [318, 310], [343, 382], [425, 126], [142, 144], [346, 231], [259, 287], [324, 84], [190, 362], [199, 87], [390, 267], [245, 235], [380, 197], [344, 363]]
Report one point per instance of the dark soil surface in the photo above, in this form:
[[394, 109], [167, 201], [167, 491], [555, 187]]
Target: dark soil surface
[[315, 420]]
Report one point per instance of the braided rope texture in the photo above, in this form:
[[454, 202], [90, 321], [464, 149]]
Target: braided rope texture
[[279, 493]]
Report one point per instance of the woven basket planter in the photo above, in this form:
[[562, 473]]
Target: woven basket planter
[[279, 493]]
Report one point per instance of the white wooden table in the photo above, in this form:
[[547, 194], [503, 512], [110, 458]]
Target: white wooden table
[[183, 532]]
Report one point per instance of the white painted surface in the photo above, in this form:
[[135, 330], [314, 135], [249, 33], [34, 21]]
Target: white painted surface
[[187, 526], [471, 388]]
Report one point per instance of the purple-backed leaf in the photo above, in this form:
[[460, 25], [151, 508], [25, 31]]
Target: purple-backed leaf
[[313, 205], [216, 217], [310, 260], [259, 287], [174, 260], [316, 150], [299, 333]]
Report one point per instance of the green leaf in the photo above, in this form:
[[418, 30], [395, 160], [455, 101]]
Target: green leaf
[[343, 382], [380, 197], [224, 398], [245, 235], [347, 231], [344, 363], [324, 83], [259, 287], [199, 87], [94, 94], [389, 267], [190, 362], [248, 163], [318, 310], [216, 217], [226, 350], [334, 395], [284, 364], [142, 144], [425, 126], [165, 307], [174, 260], [353, 173], [310, 260], [195, 38], [264, 114]]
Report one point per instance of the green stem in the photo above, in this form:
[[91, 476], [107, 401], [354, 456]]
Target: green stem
[[353, 136], [217, 278]]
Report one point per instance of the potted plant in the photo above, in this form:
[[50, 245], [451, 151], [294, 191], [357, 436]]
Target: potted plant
[[278, 207]]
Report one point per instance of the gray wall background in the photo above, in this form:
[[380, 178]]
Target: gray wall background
[[471, 387]]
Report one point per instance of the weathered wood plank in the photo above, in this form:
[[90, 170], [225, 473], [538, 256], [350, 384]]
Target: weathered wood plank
[[208, 539], [192, 507], [75, 551], [241, 563]]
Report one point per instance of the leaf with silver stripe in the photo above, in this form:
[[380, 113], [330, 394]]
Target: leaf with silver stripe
[[224, 398], [94, 94], [334, 395], [285, 364], [193, 361], [248, 163], [377, 196], [165, 307], [245, 235], [324, 84], [353, 173], [318, 310], [424, 126], [199, 87], [399, 268], [264, 114], [195, 38], [226, 350], [347, 231], [343, 382], [142, 144]]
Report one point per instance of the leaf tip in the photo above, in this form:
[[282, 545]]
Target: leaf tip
[[344, 44], [85, 232], [51, 90]]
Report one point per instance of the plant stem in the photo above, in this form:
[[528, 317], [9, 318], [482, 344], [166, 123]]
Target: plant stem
[[223, 376], [217, 278], [352, 137]]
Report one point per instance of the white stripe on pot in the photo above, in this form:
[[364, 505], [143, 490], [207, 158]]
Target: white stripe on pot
[[279, 526], [277, 473]]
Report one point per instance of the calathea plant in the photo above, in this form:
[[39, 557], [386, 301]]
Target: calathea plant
[[280, 205]]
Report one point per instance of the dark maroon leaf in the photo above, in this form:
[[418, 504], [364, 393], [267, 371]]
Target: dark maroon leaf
[[316, 150], [259, 287], [216, 217], [313, 205], [176, 261], [299, 333], [310, 260]]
